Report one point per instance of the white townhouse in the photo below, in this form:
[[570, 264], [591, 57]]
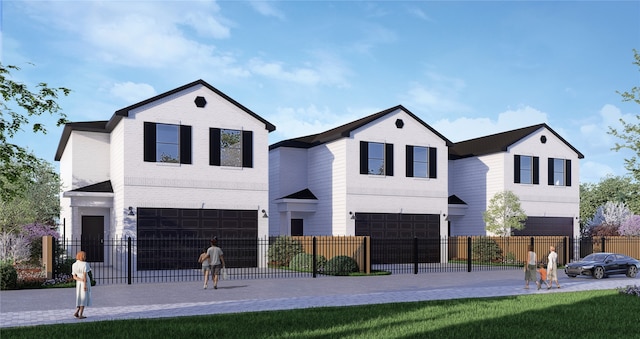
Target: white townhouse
[[191, 162], [534, 162], [385, 175]]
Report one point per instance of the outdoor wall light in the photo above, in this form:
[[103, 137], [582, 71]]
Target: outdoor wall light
[[131, 211], [264, 214], [353, 216]]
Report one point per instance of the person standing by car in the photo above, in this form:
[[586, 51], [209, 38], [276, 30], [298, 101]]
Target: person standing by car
[[216, 260], [552, 267], [530, 273]]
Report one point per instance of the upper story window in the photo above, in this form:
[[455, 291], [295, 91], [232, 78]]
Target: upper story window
[[232, 148], [376, 158], [421, 162], [559, 172], [167, 143], [526, 169]]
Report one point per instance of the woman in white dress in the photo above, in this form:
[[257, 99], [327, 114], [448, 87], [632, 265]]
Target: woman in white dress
[[80, 271]]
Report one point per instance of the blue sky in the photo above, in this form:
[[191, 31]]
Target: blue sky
[[466, 68]]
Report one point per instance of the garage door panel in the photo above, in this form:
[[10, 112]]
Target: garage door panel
[[194, 227]]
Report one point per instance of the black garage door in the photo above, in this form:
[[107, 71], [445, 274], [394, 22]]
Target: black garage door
[[394, 236], [171, 238], [540, 226]]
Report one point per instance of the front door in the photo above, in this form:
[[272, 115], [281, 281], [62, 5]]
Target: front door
[[92, 237]]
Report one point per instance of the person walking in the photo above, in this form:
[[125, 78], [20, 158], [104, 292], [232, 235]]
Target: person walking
[[552, 268], [530, 273], [543, 276], [206, 267], [80, 272], [216, 260]]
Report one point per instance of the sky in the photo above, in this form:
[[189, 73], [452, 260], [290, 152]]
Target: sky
[[467, 69]]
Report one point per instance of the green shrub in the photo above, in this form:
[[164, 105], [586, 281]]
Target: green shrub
[[304, 262], [283, 250], [8, 276], [63, 266], [341, 265], [486, 250]]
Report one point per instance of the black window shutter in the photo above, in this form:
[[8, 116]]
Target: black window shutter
[[409, 161], [567, 168], [516, 169], [536, 170], [364, 157], [214, 146], [550, 172], [149, 141], [185, 144], [247, 149], [388, 160], [433, 162]]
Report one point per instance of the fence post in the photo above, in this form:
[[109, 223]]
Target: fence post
[[129, 260], [415, 255], [47, 255], [565, 244], [603, 247], [469, 255], [315, 256]]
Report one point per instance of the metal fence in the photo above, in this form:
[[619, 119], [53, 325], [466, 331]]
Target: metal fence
[[120, 261]]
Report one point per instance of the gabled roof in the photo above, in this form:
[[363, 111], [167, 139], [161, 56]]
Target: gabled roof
[[498, 142], [304, 194], [345, 130], [125, 111], [108, 126], [101, 187]]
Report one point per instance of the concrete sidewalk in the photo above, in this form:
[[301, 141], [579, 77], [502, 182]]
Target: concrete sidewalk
[[158, 300]]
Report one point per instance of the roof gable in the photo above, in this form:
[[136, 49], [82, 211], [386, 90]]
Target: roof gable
[[108, 126], [346, 129], [499, 142]]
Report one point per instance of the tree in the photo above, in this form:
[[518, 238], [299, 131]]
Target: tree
[[611, 188], [631, 227], [14, 159], [504, 214], [38, 201], [607, 219], [630, 133]]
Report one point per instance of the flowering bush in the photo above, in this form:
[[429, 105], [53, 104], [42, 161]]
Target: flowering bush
[[630, 290], [14, 248], [34, 233], [630, 226]]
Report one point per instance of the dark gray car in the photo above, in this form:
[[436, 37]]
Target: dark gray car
[[600, 265]]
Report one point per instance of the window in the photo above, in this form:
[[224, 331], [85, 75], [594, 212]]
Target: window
[[526, 170], [232, 148], [559, 172], [167, 143], [421, 162], [376, 158]]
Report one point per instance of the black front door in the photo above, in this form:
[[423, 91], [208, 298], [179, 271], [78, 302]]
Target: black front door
[[92, 237]]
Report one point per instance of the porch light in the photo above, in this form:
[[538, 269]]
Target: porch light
[[264, 214], [131, 211], [353, 216]]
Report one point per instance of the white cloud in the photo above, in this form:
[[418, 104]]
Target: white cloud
[[436, 94], [131, 92], [138, 34], [294, 122], [324, 69], [267, 8]]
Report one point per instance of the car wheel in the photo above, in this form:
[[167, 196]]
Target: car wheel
[[632, 271], [598, 272]]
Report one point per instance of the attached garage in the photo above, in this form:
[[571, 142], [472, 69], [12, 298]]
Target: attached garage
[[171, 238], [395, 233]]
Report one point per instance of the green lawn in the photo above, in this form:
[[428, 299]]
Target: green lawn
[[593, 314]]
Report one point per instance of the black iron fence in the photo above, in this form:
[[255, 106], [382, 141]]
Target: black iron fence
[[118, 261]]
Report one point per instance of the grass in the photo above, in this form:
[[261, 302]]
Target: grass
[[592, 314]]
